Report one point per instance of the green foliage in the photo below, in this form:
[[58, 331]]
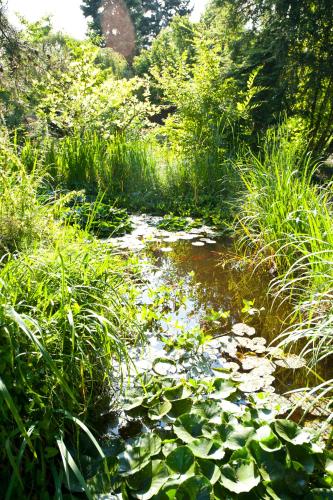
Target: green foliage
[[99, 218], [203, 451], [287, 220], [171, 222], [149, 16], [23, 219]]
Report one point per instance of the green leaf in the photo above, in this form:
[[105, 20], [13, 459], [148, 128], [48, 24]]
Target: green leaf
[[180, 407], [240, 476], [272, 466], [206, 448], [209, 470], [131, 402], [235, 437], [160, 409], [180, 459], [188, 427], [291, 432], [149, 480], [303, 457], [138, 452], [267, 439], [223, 388], [164, 366], [209, 409], [178, 392], [195, 488]]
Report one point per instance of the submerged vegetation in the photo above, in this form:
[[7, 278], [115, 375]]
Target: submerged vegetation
[[227, 122]]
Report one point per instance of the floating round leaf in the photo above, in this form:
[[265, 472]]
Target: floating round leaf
[[164, 366], [250, 362], [207, 449], [138, 452], [209, 470], [292, 361], [189, 426], [160, 409], [223, 388], [235, 437], [242, 329], [291, 432], [159, 475], [195, 488], [241, 476], [180, 459]]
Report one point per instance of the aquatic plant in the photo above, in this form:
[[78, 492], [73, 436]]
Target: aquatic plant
[[203, 442]]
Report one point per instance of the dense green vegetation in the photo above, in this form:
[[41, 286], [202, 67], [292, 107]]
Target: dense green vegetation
[[227, 120]]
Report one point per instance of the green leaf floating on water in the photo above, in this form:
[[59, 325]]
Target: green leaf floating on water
[[240, 476], [206, 448], [178, 392], [209, 470], [164, 366], [132, 402], [195, 488], [138, 452], [209, 409], [291, 432], [223, 388], [160, 409], [148, 482], [188, 427], [268, 441], [235, 437], [180, 459], [179, 407]]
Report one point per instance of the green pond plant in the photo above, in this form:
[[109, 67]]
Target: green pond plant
[[201, 441]]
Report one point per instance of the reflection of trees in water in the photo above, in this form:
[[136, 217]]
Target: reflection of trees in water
[[225, 288]]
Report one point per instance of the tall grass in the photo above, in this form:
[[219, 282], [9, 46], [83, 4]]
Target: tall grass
[[287, 220], [66, 314], [140, 174]]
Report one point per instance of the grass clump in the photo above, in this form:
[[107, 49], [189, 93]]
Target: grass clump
[[287, 221], [67, 314]]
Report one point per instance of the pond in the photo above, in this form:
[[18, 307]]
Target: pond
[[202, 285]]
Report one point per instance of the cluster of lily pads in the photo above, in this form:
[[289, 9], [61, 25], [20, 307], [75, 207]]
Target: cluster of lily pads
[[172, 222], [99, 218], [201, 439]]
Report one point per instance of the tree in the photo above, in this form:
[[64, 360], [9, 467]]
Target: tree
[[292, 40], [149, 16]]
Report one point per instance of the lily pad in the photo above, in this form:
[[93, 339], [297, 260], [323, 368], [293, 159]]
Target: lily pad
[[291, 361], [291, 432], [180, 459], [255, 344], [242, 329], [253, 382], [209, 241], [195, 488], [160, 409], [189, 426], [207, 449], [241, 476], [164, 366], [198, 244], [138, 452], [209, 470], [253, 362]]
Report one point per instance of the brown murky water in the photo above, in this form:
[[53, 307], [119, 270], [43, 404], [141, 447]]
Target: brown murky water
[[200, 264]]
